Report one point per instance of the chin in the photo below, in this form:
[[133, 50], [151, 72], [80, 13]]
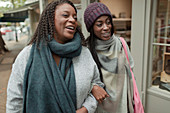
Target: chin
[[69, 37], [106, 38]]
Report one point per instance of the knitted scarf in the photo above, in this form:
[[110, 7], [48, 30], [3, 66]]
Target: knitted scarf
[[116, 76], [46, 87]]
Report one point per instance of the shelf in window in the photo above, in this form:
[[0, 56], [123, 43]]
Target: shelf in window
[[123, 32], [166, 53], [121, 19]]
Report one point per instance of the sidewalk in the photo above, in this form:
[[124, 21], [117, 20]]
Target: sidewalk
[[6, 61]]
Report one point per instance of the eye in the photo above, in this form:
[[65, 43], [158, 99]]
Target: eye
[[65, 15], [99, 25], [108, 22], [75, 17]]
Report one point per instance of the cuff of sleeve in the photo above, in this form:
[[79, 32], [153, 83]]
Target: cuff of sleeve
[[90, 104], [93, 84]]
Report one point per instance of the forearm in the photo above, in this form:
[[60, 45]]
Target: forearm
[[99, 93], [82, 110]]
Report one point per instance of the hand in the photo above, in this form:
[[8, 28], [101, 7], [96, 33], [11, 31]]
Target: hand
[[99, 93], [82, 110]]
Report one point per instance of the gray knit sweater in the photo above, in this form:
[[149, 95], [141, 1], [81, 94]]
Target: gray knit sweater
[[86, 74]]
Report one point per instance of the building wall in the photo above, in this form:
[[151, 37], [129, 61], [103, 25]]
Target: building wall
[[74, 1], [118, 6]]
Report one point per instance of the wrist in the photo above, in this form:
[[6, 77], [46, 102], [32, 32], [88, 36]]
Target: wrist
[[84, 110]]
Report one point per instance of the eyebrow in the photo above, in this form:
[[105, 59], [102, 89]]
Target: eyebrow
[[69, 12], [101, 20], [66, 11]]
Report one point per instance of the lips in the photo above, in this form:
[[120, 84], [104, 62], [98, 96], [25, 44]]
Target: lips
[[106, 34], [71, 28]]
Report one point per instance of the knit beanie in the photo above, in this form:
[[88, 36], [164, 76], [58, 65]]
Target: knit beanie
[[93, 12]]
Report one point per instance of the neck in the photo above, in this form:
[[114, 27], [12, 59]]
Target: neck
[[56, 58]]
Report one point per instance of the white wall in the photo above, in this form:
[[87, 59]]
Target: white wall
[[157, 104]]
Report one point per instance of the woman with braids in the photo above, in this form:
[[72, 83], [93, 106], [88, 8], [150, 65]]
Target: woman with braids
[[108, 53], [55, 72]]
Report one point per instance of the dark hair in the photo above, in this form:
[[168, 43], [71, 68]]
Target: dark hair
[[46, 25], [91, 41]]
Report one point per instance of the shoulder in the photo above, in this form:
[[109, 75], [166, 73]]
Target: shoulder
[[18, 68], [85, 56], [86, 51], [21, 60], [24, 54], [26, 51], [117, 39]]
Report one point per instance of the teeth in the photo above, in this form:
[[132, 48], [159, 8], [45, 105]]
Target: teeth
[[106, 34], [72, 28]]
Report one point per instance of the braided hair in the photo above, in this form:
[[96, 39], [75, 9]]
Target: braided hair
[[46, 26]]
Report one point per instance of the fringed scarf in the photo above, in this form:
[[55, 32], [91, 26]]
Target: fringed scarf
[[46, 88], [116, 76]]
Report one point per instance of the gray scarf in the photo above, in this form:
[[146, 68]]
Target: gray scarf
[[107, 52], [115, 76]]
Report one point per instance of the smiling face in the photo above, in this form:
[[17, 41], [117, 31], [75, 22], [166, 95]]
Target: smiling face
[[102, 28], [65, 22]]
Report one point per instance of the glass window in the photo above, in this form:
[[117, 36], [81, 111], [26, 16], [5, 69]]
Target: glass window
[[161, 47]]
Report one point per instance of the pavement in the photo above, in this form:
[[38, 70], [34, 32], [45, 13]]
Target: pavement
[[6, 61]]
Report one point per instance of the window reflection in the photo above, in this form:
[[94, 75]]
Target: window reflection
[[161, 47]]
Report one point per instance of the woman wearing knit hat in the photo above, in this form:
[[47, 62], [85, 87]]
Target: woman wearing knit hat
[[108, 53]]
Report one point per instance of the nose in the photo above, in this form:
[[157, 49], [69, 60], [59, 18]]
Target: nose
[[105, 27], [72, 19]]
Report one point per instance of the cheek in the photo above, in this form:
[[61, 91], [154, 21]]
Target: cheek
[[76, 24], [58, 26], [97, 32], [110, 27], [55, 20]]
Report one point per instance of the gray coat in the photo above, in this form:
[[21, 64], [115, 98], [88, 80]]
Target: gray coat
[[86, 74]]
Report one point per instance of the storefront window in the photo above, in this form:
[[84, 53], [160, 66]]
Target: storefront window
[[161, 47]]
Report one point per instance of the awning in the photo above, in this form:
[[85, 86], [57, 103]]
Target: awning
[[19, 14], [15, 17]]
